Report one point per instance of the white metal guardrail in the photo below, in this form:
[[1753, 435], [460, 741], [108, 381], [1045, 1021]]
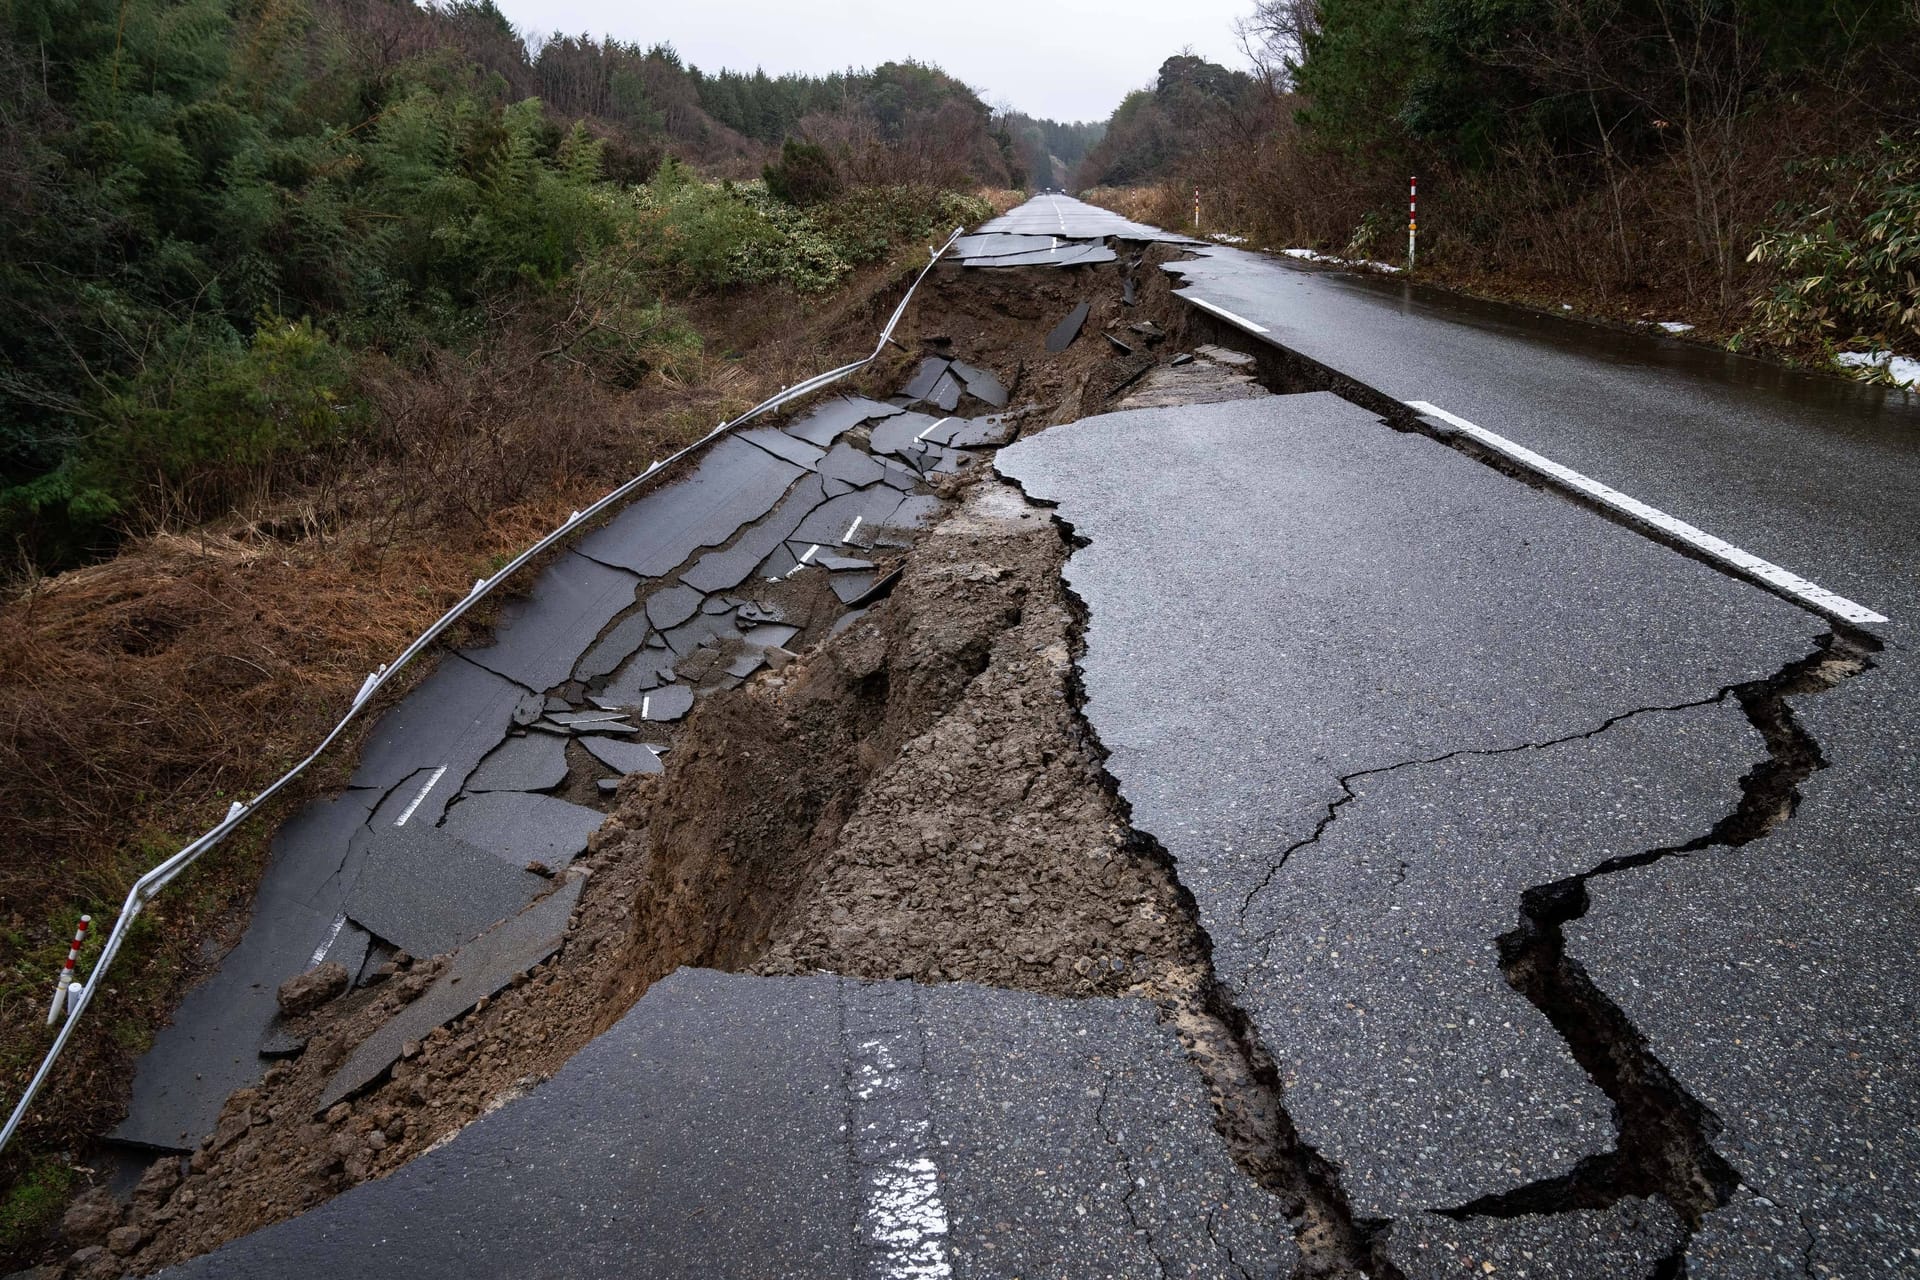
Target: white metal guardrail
[[150, 884]]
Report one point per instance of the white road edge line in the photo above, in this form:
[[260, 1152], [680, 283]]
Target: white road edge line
[[1225, 314], [847, 537], [437, 775], [1716, 548]]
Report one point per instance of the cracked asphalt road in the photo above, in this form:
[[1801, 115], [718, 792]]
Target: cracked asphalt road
[[1372, 697], [801, 1120], [1776, 981]]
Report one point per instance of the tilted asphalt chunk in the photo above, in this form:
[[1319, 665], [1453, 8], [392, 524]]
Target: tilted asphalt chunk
[[982, 385], [1066, 255], [834, 418], [733, 565], [782, 445], [541, 635], [427, 891], [668, 703], [520, 828], [733, 484], [670, 606], [452, 718], [478, 969], [945, 395], [620, 642], [1068, 329], [623, 757], [932, 370], [851, 467], [535, 762]]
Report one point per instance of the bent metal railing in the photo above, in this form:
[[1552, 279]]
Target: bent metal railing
[[157, 878]]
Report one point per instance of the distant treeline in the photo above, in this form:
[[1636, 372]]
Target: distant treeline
[[1758, 159], [215, 213]]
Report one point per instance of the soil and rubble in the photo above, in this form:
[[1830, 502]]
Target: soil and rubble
[[915, 795], [909, 791]]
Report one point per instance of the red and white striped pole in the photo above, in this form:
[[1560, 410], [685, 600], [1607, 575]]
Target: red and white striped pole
[[65, 981], [1196, 207], [1413, 206]]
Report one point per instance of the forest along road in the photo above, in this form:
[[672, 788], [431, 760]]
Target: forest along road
[[1750, 961]]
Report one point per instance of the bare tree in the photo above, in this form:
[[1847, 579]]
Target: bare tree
[[1275, 36]]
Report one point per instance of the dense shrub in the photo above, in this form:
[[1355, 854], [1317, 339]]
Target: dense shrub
[[1850, 270], [714, 235], [804, 174]]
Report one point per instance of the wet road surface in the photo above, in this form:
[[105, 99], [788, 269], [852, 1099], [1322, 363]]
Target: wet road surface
[[1373, 697]]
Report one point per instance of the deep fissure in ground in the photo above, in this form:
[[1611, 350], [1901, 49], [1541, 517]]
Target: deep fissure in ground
[[1665, 1136], [919, 797], [1665, 1143]]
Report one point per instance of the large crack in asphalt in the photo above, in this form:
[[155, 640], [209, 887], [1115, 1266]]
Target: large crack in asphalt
[[1348, 795], [1223, 1042], [1665, 1143], [1665, 1134]]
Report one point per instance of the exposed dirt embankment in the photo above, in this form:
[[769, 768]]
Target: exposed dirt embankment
[[915, 796], [912, 798], [915, 801]]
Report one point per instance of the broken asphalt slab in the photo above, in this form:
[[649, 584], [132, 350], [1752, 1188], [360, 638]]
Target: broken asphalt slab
[[542, 634], [211, 1046], [478, 969], [734, 564], [532, 762], [427, 891], [885, 1129], [1290, 605], [982, 385], [829, 421], [1775, 981], [623, 757], [1284, 591], [1062, 335], [524, 828], [1064, 254], [733, 484], [452, 719], [1420, 1072]]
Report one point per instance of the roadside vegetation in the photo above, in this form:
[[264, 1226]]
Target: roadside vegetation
[[312, 312], [1748, 166]]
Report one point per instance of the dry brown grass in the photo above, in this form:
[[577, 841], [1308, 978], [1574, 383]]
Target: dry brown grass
[[139, 696]]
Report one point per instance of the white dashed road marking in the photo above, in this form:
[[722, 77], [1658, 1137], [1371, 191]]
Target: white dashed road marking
[[437, 775]]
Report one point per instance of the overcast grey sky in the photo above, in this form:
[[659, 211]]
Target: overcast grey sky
[[1064, 59]]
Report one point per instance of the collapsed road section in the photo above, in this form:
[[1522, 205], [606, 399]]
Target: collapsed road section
[[1275, 742]]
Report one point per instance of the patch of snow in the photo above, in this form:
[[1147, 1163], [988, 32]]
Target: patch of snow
[[1368, 264], [1224, 238], [1905, 370], [1675, 326], [1566, 306]]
